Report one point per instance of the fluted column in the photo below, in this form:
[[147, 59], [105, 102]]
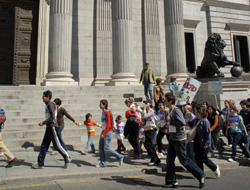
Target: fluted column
[[175, 42], [152, 49], [60, 40], [122, 26]]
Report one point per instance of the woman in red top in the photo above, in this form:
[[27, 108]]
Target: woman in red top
[[106, 136]]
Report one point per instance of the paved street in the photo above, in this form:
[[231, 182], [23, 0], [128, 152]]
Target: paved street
[[231, 179], [82, 173]]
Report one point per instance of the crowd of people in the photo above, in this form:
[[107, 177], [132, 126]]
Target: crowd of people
[[146, 126]]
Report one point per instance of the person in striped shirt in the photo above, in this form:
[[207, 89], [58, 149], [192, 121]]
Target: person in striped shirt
[[90, 125]]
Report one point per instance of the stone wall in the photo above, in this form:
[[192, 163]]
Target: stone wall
[[91, 47]]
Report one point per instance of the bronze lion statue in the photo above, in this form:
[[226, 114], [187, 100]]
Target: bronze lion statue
[[214, 58]]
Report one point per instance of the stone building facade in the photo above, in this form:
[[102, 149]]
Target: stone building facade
[[106, 42]]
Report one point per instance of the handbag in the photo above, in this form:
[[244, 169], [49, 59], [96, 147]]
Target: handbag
[[192, 133]]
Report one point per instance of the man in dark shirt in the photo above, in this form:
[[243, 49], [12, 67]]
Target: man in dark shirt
[[50, 133], [245, 113], [177, 146]]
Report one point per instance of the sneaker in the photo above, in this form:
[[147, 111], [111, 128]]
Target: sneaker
[[36, 166], [154, 163], [230, 145], [242, 156], [84, 152], [172, 185], [202, 183], [220, 156], [151, 163], [125, 150], [11, 163], [66, 165], [99, 166], [160, 155], [217, 171], [121, 161], [53, 153], [230, 160]]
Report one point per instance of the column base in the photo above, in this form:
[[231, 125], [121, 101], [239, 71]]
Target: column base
[[101, 81], [59, 79], [123, 79]]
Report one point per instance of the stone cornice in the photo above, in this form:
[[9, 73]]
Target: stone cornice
[[238, 26], [223, 4], [191, 23]]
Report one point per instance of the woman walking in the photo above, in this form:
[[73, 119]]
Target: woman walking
[[202, 141], [150, 130], [106, 136], [237, 128], [132, 127]]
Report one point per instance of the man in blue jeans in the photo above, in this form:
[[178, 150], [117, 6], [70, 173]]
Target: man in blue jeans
[[177, 146], [147, 78]]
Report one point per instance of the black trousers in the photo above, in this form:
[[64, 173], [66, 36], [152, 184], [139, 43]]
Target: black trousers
[[51, 135], [149, 145], [134, 141], [201, 157], [159, 137]]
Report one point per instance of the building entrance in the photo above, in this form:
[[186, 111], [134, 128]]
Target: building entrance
[[18, 41]]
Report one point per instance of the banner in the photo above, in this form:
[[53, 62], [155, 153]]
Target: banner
[[188, 91], [214, 88], [176, 90]]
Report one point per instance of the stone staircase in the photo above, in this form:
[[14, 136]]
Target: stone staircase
[[24, 110]]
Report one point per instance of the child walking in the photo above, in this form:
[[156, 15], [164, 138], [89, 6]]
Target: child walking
[[90, 125], [120, 134]]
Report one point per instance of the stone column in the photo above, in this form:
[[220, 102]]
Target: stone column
[[60, 40], [122, 26], [175, 42]]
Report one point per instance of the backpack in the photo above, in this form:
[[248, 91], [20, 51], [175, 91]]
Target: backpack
[[2, 117]]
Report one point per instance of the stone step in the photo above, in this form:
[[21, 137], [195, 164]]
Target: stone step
[[37, 141], [36, 133], [25, 109]]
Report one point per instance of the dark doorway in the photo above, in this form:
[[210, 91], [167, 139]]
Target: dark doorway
[[190, 52], [241, 52], [18, 41]]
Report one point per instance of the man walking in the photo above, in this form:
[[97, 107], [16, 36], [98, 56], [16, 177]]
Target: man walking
[[3, 149], [177, 146], [50, 133], [147, 78]]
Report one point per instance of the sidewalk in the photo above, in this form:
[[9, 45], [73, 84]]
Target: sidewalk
[[84, 166]]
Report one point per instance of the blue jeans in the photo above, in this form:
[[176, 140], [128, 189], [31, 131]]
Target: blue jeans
[[178, 148], [90, 143], [148, 87], [248, 141], [236, 137], [104, 145]]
